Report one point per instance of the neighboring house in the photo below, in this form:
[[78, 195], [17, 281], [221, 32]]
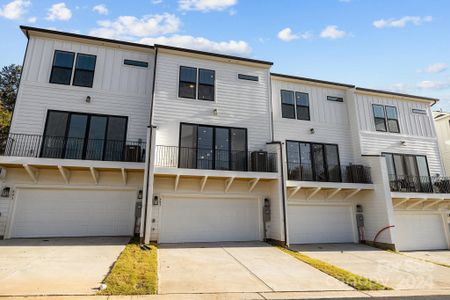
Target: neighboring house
[[204, 147], [442, 121]]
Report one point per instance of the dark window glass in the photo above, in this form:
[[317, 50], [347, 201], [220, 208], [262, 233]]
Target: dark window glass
[[188, 82], [293, 158], [306, 163], [392, 119], [380, 118], [320, 173], [336, 99], [205, 144], [84, 70], [287, 104], [136, 63], [333, 165], [222, 149], [302, 102], [115, 138], [62, 67], [96, 138], [206, 79], [238, 149], [76, 136], [248, 77], [54, 136], [390, 164], [188, 146]]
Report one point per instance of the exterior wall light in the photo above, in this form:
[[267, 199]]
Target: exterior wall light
[[88, 99], [215, 112], [312, 131], [403, 143]]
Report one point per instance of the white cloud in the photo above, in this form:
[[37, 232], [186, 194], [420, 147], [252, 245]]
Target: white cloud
[[332, 32], [157, 1], [206, 5], [100, 9], [400, 88], [32, 20], [200, 43], [402, 22], [60, 12], [126, 27], [286, 35], [435, 68], [433, 85], [15, 10]]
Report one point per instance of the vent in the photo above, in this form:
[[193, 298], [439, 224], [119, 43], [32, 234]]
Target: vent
[[135, 63], [248, 77]]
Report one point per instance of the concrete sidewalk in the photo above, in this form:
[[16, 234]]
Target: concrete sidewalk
[[397, 295]]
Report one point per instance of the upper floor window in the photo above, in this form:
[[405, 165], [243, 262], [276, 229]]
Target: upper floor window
[[196, 83], [386, 118], [295, 105], [84, 70], [63, 66]]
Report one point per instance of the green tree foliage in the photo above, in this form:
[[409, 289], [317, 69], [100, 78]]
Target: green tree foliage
[[9, 85]]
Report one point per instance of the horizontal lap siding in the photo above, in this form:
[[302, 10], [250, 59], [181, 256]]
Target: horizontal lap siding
[[415, 129], [239, 103], [443, 131], [118, 89], [329, 119]]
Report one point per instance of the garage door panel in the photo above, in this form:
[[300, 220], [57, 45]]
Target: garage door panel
[[209, 220], [320, 224], [73, 212], [420, 232]]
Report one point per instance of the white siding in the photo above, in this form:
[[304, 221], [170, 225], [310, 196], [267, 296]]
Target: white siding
[[239, 103], [329, 119], [443, 133], [416, 130], [118, 89]]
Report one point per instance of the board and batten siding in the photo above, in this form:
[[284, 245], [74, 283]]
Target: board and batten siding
[[118, 89], [416, 130], [328, 118], [239, 103], [443, 133]]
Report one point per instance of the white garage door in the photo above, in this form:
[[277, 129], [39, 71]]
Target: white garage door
[[420, 232], [209, 220], [73, 212], [320, 224]]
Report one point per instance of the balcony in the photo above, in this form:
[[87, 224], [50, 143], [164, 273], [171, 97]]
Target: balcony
[[213, 159], [56, 147], [343, 174], [419, 192], [343, 180]]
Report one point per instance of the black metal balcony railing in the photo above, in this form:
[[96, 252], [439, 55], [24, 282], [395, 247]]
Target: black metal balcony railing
[[31, 145], [419, 184], [346, 174], [213, 159]]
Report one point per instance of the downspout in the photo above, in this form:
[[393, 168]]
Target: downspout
[[148, 156]]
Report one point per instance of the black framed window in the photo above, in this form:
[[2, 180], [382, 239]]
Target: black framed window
[[313, 161], [84, 70], [302, 103], [386, 118], [196, 83], [84, 136], [408, 172], [295, 105], [287, 104], [206, 79], [62, 67], [380, 117], [392, 119], [212, 147]]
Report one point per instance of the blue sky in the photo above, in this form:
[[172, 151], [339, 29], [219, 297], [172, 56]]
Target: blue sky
[[401, 45]]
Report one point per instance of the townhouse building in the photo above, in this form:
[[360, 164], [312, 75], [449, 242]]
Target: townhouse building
[[178, 145]]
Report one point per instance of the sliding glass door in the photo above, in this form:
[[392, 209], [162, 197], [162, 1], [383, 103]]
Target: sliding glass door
[[84, 136], [214, 148]]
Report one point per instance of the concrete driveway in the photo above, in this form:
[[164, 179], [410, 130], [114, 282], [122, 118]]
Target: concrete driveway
[[59, 266], [440, 256], [394, 270], [237, 267]]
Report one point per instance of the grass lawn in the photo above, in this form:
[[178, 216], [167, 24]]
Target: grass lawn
[[134, 273], [358, 282]]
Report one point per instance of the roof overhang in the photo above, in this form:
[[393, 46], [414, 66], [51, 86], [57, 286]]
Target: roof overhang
[[420, 201], [347, 190], [311, 81], [399, 96]]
